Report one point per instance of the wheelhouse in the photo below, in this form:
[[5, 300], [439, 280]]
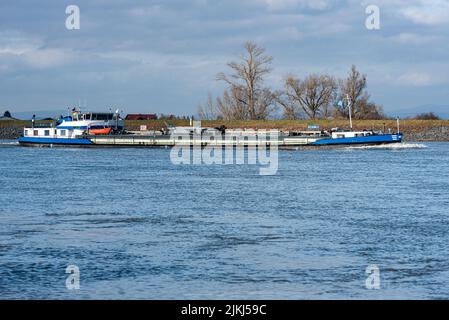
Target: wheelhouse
[[88, 116]]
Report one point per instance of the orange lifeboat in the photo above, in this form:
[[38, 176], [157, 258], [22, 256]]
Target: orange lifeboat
[[102, 131]]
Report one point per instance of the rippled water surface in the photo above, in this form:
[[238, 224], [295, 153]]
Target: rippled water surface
[[138, 226]]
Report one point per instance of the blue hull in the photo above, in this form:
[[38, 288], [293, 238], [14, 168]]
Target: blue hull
[[379, 139], [54, 141], [386, 138]]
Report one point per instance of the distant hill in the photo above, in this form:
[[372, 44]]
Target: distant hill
[[441, 110], [27, 115], [3, 118]]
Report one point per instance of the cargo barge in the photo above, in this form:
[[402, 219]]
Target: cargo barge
[[86, 129]]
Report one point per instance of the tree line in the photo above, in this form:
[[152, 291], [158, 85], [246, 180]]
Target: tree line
[[316, 96]]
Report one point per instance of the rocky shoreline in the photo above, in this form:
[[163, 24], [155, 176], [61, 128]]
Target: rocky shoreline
[[10, 132], [430, 134], [435, 133]]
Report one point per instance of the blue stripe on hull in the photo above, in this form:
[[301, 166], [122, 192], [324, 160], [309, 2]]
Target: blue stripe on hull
[[63, 141], [387, 138]]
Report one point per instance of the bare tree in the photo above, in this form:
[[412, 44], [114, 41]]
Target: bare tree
[[371, 111], [209, 111], [313, 96], [354, 87], [230, 106], [265, 104], [246, 98], [252, 100], [328, 111], [286, 99]]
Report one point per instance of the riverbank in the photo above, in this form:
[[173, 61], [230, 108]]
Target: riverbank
[[10, 130], [414, 130]]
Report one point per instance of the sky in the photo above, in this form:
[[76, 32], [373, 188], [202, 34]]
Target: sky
[[163, 56]]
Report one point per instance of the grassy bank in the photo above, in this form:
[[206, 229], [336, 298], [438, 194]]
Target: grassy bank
[[414, 130]]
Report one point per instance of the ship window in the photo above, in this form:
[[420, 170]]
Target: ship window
[[35, 133], [87, 116], [101, 116], [46, 133], [63, 132], [26, 132]]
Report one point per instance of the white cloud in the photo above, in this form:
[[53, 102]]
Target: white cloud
[[47, 58], [15, 43], [429, 12], [414, 39], [417, 79], [148, 11], [291, 33], [287, 4], [30, 51]]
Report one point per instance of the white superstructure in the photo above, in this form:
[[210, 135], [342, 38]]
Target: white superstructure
[[77, 124]]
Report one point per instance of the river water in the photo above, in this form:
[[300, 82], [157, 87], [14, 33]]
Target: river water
[[138, 226]]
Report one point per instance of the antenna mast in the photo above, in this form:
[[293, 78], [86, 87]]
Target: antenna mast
[[350, 110], [397, 119]]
